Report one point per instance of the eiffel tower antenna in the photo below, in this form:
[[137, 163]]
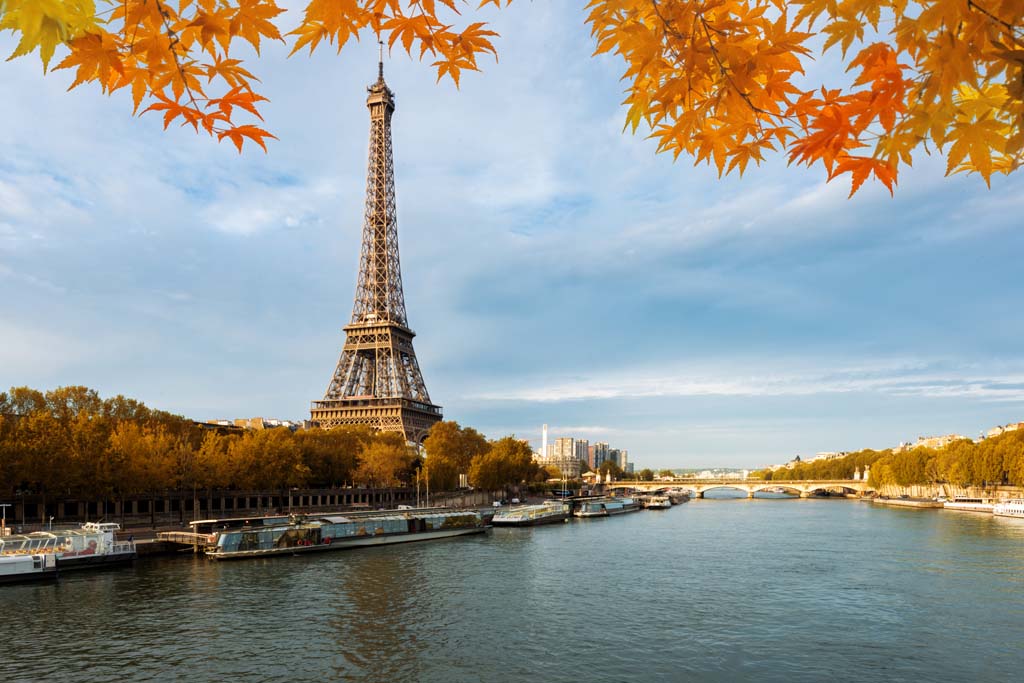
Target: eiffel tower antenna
[[377, 381]]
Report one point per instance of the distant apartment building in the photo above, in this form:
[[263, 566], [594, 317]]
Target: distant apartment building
[[582, 450], [827, 455], [600, 454], [615, 455], [997, 430], [562, 448], [563, 455], [937, 441], [267, 423]]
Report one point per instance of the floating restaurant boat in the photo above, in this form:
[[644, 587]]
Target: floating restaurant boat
[[550, 512], [301, 534], [606, 507], [24, 568], [969, 504], [1009, 508], [678, 496], [93, 545], [657, 503]]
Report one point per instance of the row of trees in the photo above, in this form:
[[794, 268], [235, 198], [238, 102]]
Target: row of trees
[[71, 443], [963, 463]]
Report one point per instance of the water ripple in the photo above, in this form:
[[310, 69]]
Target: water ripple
[[713, 590]]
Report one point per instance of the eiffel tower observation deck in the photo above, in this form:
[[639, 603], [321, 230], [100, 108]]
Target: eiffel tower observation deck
[[377, 381]]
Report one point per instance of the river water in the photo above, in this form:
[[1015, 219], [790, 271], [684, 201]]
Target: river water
[[713, 590]]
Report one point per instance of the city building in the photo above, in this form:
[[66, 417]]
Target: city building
[[269, 423], [937, 441], [582, 450], [1002, 429]]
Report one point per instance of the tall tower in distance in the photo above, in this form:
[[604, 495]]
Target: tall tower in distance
[[377, 381]]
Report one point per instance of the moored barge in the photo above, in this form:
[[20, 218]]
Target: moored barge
[[606, 507], [301, 534], [551, 512]]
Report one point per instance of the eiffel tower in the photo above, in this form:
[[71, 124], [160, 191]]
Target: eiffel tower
[[378, 381]]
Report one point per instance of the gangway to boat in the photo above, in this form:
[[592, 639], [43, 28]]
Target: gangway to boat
[[187, 539]]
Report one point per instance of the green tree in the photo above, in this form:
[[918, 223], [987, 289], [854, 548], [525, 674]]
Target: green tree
[[610, 466]]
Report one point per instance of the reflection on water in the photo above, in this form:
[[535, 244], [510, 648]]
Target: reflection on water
[[712, 590]]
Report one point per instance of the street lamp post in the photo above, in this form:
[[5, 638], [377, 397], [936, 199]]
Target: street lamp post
[[3, 518]]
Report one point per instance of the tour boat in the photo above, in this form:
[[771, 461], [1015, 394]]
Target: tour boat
[[23, 568], [1009, 508], [968, 504], [678, 496], [657, 503], [606, 507], [303, 534], [92, 545], [550, 512]]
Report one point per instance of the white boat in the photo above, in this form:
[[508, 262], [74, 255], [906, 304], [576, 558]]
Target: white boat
[[23, 568], [658, 503], [1009, 508], [550, 512], [969, 504], [94, 544]]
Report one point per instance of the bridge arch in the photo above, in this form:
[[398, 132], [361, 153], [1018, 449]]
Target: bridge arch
[[830, 486], [795, 490], [738, 486]]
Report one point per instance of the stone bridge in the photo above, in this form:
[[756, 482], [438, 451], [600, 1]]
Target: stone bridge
[[804, 488]]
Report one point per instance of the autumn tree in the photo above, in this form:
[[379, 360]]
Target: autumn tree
[[386, 462], [450, 452], [722, 81], [509, 462], [332, 455]]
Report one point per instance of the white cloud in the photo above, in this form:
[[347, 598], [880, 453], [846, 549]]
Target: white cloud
[[895, 378], [253, 207]]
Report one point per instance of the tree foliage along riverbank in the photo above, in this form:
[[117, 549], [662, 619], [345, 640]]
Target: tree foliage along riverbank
[[723, 81], [70, 442], [964, 463]]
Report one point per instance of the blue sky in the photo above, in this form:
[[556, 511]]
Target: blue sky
[[556, 270]]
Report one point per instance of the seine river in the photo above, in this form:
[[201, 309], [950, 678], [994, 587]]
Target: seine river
[[714, 590]]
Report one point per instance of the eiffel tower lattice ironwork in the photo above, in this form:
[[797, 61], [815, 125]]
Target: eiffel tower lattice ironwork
[[377, 381]]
